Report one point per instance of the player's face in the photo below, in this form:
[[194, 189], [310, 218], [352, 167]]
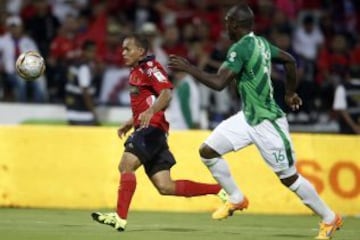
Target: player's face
[[131, 52]]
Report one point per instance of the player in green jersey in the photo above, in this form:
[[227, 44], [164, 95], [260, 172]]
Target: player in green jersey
[[260, 122]]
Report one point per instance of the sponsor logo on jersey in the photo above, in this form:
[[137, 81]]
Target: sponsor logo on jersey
[[154, 71], [159, 76]]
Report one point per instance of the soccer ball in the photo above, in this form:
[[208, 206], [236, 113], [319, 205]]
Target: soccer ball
[[30, 65]]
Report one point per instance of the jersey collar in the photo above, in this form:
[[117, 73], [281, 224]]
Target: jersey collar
[[250, 34], [147, 58]]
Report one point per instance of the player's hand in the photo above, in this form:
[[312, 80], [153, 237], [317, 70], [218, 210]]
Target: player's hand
[[124, 129], [145, 117], [293, 100], [178, 63]]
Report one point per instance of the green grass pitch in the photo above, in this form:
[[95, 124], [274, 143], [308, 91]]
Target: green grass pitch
[[47, 224]]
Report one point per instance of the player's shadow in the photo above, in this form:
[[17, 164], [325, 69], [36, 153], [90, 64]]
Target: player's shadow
[[287, 236]]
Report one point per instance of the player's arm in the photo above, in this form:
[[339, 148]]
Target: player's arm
[[162, 101], [160, 104], [124, 128], [217, 81], [289, 62]]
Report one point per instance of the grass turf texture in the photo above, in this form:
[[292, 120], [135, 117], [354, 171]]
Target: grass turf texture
[[40, 224]]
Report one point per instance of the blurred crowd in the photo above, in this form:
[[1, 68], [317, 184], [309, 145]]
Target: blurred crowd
[[321, 34]]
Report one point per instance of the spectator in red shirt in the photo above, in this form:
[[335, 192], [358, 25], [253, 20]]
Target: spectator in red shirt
[[208, 12], [333, 61], [265, 10], [109, 50], [2, 23], [64, 49], [333, 66], [172, 44], [289, 7], [65, 45], [355, 60]]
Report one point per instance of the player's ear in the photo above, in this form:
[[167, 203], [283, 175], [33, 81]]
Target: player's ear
[[235, 25], [142, 51]]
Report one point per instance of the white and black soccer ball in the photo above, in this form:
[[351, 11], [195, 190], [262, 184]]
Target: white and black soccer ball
[[30, 65]]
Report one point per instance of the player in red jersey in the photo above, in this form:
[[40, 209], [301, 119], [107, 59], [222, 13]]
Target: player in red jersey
[[150, 92]]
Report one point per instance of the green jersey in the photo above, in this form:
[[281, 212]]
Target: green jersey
[[250, 59]]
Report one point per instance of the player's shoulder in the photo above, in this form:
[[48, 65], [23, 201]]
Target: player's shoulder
[[154, 68], [149, 63], [243, 43], [241, 47], [153, 64]]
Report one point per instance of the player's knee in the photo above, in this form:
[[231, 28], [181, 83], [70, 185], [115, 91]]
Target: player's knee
[[125, 166], [207, 152], [129, 163], [165, 189], [289, 181]]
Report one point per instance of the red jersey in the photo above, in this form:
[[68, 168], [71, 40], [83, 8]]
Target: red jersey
[[146, 82], [64, 48]]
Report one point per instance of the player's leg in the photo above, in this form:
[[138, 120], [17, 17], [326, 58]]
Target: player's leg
[[308, 195], [158, 171], [276, 147], [219, 168], [135, 154], [230, 135], [127, 167], [127, 185], [185, 188]]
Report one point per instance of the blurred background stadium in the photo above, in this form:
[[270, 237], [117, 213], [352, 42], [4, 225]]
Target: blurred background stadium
[[323, 35]]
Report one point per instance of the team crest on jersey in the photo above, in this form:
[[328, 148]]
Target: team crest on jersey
[[135, 79]]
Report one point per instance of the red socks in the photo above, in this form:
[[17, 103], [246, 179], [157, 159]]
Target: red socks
[[185, 188], [125, 192], [189, 188]]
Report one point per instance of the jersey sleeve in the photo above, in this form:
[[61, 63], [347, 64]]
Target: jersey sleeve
[[274, 51], [234, 59], [158, 78]]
